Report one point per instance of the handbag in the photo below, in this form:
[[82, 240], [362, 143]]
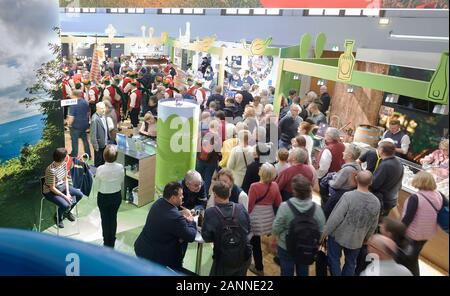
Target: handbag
[[442, 214], [322, 261]]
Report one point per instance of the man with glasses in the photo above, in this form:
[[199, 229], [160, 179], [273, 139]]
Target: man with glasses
[[194, 192]]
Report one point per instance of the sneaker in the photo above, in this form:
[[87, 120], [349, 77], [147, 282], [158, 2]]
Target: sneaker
[[59, 224], [69, 216], [253, 269], [276, 259]]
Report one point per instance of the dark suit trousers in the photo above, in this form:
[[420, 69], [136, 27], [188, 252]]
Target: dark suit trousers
[[98, 157]]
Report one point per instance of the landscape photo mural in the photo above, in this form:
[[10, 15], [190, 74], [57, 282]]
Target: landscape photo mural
[[31, 119]]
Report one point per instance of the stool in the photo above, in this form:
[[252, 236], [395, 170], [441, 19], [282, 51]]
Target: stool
[[42, 204]]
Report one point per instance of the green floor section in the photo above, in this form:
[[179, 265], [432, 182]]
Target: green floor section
[[130, 220]]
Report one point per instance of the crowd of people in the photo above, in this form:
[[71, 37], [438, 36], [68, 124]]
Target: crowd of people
[[254, 177]]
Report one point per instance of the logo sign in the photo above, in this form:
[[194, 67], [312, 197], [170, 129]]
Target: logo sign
[[68, 102], [346, 62]]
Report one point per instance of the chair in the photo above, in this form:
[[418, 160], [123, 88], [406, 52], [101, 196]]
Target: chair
[[41, 208]]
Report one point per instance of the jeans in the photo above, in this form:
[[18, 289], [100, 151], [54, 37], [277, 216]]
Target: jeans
[[334, 258], [63, 205], [282, 144], [109, 206], [206, 170], [257, 252], [75, 134], [287, 265]]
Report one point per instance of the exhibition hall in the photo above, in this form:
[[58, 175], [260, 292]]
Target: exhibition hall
[[238, 138]]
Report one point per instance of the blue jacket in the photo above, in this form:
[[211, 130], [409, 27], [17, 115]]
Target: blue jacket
[[165, 234], [81, 176]]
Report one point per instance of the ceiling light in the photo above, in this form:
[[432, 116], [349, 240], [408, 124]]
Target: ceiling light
[[92, 10], [273, 11], [332, 11], [392, 98], [176, 10], [384, 21], [113, 10], [440, 109], [259, 11], [231, 11], [371, 12], [131, 10], [315, 12], [199, 11], [188, 10], [352, 12], [418, 37], [165, 10], [121, 10], [139, 10], [243, 11]]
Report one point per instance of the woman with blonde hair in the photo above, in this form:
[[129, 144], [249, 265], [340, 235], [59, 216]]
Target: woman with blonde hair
[[304, 129], [240, 157], [438, 159], [262, 198], [420, 215], [148, 127], [250, 118]]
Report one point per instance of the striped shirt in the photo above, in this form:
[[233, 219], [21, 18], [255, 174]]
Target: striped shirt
[[54, 175]]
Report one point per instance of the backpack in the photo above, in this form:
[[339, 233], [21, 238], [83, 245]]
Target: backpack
[[442, 213], [303, 238], [230, 247]]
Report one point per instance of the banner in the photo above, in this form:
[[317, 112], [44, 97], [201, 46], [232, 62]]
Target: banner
[[31, 120]]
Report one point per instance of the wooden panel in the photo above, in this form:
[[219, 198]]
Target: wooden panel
[[146, 180], [361, 106], [436, 249]]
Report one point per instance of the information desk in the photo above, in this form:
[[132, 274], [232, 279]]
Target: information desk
[[139, 173]]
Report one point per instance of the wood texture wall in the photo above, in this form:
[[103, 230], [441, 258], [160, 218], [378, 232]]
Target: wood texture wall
[[362, 106]]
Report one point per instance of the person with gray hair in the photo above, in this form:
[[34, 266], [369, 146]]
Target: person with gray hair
[[184, 93], [246, 95], [344, 180], [330, 159], [194, 192], [297, 160], [100, 135]]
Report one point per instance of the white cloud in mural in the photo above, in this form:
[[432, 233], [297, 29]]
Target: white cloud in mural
[[25, 31]]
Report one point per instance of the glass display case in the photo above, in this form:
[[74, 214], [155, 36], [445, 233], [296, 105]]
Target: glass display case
[[411, 168]]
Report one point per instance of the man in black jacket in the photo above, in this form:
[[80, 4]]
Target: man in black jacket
[[167, 231], [217, 97], [212, 230], [246, 95], [387, 180], [288, 126], [325, 98]]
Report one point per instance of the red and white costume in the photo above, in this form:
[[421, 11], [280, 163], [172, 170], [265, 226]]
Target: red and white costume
[[66, 89], [200, 96], [135, 99]]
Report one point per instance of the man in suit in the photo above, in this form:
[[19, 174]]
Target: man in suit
[[167, 230], [99, 133]]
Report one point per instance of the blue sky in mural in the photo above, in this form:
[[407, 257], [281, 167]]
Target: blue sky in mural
[[25, 31]]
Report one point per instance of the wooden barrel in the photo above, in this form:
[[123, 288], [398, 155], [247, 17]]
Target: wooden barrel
[[367, 134]]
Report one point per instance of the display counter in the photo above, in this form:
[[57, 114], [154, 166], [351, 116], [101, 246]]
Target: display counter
[[138, 159], [435, 250]]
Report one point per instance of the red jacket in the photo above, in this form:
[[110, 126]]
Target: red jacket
[[285, 177], [96, 93], [192, 90]]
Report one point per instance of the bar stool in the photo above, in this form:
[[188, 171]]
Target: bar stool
[[41, 208]]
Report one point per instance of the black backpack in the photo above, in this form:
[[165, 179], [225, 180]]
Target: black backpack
[[230, 246], [303, 238]]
